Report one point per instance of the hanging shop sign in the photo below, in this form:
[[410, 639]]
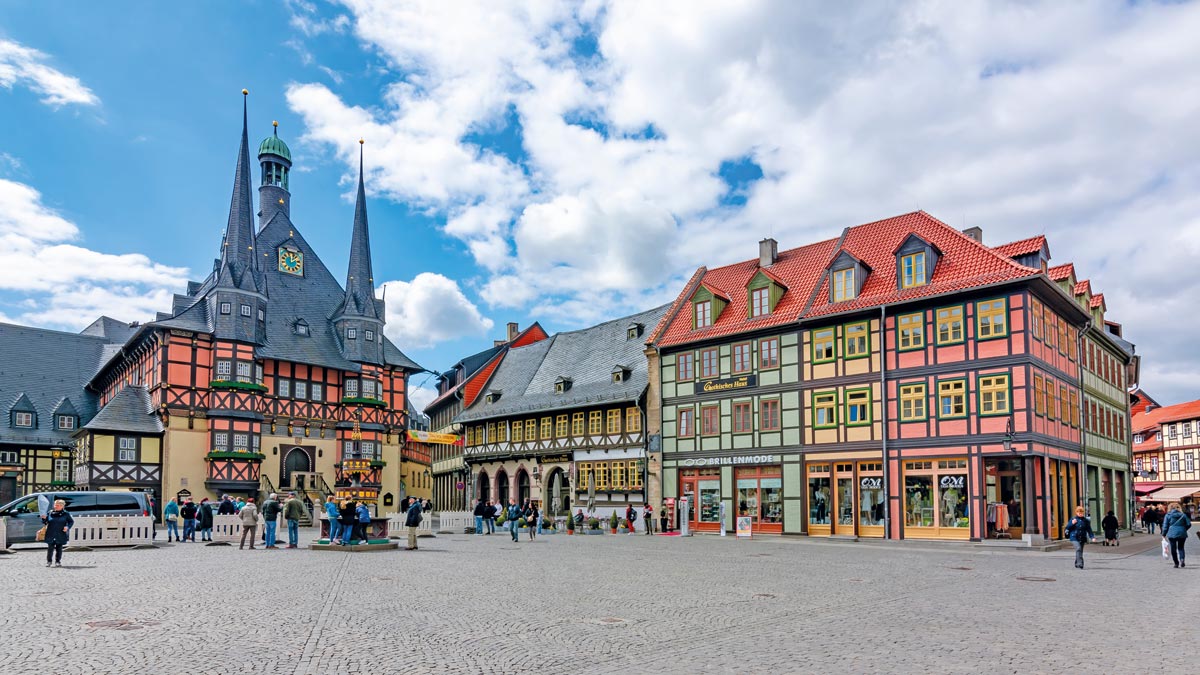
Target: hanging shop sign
[[729, 461], [431, 437], [729, 384]]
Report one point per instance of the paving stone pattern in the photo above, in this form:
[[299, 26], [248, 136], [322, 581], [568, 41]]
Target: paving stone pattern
[[610, 604]]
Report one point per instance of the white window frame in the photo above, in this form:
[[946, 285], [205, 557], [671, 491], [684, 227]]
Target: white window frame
[[368, 388], [300, 390], [285, 388], [66, 422], [243, 371], [241, 441], [316, 391], [246, 311], [62, 470], [9, 457], [370, 335], [226, 308], [351, 333], [23, 420], [224, 369], [351, 388], [221, 441]]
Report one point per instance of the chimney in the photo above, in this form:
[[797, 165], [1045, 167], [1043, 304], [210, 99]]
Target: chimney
[[768, 252], [512, 330], [974, 233]]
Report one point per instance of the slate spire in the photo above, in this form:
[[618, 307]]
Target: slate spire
[[360, 281], [239, 263]]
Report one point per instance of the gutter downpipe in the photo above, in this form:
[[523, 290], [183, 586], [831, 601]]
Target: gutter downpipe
[[1083, 421], [883, 395]]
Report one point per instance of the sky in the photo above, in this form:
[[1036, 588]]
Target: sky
[[569, 162]]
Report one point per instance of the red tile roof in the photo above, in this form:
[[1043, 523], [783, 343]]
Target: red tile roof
[[1082, 287], [1016, 249], [673, 310], [1175, 413], [1061, 272], [1097, 300]]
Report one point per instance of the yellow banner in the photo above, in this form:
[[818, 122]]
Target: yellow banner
[[431, 437]]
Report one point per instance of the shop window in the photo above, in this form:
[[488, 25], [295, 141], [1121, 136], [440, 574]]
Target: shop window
[[993, 395], [741, 357], [710, 421], [686, 366], [825, 410], [560, 426], [577, 424], [952, 399], [856, 343], [595, 423], [991, 318], [760, 495], [687, 426], [936, 495], [911, 328], [769, 415], [871, 500], [743, 418], [858, 407], [822, 345], [912, 402], [950, 325], [768, 353], [820, 495], [709, 365], [633, 420], [614, 422]]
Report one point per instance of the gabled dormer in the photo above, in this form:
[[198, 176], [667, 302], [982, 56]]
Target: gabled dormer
[[1083, 294], [1064, 277], [22, 414], [763, 292], [634, 331], [707, 304], [847, 274], [620, 373], [916, 260], [66, 417], [494, 395], [1098, 309], [301, 327], [562, 385]]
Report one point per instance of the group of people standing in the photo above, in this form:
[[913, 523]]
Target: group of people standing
[[194, 517], [486, 513], [349, 520], [199, 518]]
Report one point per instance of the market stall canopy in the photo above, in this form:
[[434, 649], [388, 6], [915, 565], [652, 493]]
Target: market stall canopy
[[1143, 488], [1171, 494]]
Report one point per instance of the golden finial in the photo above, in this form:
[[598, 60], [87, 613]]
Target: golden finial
[[274, 123], [245, 92], [281, 200], [361, 141]]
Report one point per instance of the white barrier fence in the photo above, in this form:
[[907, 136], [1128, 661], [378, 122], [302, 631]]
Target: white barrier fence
[[398, 530], [97, 531], [228, 529], [3, 535], [455, 521]]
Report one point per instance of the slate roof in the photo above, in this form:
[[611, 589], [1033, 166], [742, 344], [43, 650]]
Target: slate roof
[[44, 367], [130, 410], [526, 377], [1016, 249]]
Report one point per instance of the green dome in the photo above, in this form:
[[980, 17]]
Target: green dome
[[272, 145]]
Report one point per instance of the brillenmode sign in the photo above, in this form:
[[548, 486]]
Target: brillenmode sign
[[738, 459], [729, 384]]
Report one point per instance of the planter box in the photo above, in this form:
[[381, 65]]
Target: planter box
[[594, 531]]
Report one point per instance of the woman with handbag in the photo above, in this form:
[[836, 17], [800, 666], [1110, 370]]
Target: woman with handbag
[[171, 515], [57, 531], [1175, 526]]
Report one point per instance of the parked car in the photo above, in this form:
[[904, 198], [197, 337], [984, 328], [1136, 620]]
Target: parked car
[[23, 517]]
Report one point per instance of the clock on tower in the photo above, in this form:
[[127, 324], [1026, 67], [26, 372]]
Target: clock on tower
[[291, 261]]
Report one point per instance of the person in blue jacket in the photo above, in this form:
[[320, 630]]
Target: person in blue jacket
[[1079, 531], [364, 519], [1175, 526], [511, 517], [335, 528], [58, 531]]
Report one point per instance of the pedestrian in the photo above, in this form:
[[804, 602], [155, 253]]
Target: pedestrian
[[479, 512], [1079, 531], [1175, 528], [153, 516], [404, 504], [363, 516], [513, 515], [490, 516], [426, 506], [293, 509], [533, 521], [227, 507], [171, 513], [241, 504], [188, 512], [205, 524], [648, 519], [58, 531], [1110, 525], [1141, 516], [347, 517], [249, 515], [270, 513], [411, 521], [335, 528], [630, 517]]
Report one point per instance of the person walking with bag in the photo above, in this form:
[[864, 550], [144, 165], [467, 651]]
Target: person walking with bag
[[1079, 531], [412, 520], [1175, 526], [171, 514], [293, 510], [533, 520], [58, 531], [205, 524], [249, 517], [630, 518]]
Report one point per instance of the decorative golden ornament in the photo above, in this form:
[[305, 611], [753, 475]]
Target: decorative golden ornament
[[245, 92]]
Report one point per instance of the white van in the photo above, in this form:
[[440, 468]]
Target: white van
[[23, 517]]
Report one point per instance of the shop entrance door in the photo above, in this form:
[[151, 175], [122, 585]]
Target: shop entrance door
[[1006, 485], [844, 496], [702, 488]]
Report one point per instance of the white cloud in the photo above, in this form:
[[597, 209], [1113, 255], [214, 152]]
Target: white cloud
[[68, 285], [1076, 119], [430, 309], [21, 65], [421, 396]]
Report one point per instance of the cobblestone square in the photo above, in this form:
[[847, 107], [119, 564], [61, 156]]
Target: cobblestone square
[[596, 604]]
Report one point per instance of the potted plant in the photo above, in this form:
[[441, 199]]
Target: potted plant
[[570, 526], [521, 524], [594, 526], [500, 519], [613, 520]]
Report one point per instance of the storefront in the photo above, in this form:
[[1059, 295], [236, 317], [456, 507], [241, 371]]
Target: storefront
[[1064, 494], [702, 489], [845, 498], [1006, 497], [760, 496], [936, 499]]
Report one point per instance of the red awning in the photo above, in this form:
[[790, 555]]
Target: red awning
[[1143, 488]]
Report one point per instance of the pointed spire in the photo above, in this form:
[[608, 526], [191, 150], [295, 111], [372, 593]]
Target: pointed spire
[[239, 264], [360, 281]]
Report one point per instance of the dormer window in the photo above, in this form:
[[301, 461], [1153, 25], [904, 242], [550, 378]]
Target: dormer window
[[707, 305], [912, 270], [370, 335], [301, 327], [704, 314], [634, 331], [562, 385], [1138, 438], [66, 422], [760, 302], [493, 396], [916, 260], [620, 374], [764, 290], [23, 419], [843, 285]]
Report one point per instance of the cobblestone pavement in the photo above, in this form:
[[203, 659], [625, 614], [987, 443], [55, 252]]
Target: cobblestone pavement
[[597, 604]]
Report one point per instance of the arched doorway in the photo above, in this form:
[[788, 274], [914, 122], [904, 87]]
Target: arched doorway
[[502, 487], [522, 486], [558, 499], [483, 488], [296, 459]]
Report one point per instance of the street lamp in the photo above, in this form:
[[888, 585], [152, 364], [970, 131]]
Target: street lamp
[[1008, 436]]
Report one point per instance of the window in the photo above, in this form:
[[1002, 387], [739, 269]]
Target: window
[[351, 333], [686, 366], [531, 430], [224, 368], [614, 422], [66, 422], [1138, 438], [991, 319], [709, 365], [1189, 462], [1174, 462], [1065, 410], [226, 308], [743, 418], [8, 457], [822, 345], [952, 399], [261, 316], [843, 284], [741, 358], [912, 331], [1035, 313], [1063, 340], [285, 388], [301, 390], [768, 411], [577, 424], [585, 475], [23, 419], [768, 353], [245, 310], [760, 302], [618, 476], [369, 335], [62, 470], [601, 475], [912, 270], [635, 476], [633, 420], [501, 432], [703, 314], [518, 432], [1049, 327], [710, 421], [1051, 401], [243, 371], [368, 388], [560, 426], [221, 441], [949, 325], [855, 341], [301, 328], [491, 432], [1039, 395], [1074, 409], [858, 410], [1187, 429], [825, 410], [351, 388], [317, 392], [993, 395], [912, 402], [127, 449], [547, 428], [686, 425]]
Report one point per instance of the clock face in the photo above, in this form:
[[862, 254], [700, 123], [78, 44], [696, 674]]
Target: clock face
[[291, 261]]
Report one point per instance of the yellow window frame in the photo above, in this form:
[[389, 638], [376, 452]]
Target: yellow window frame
[[856, 340], [601, 475], [991, 319], [912, 270], [911, 331], [618, 476], [956, 391], [912, 402], [843, 285], [824, 401], [994, 398], [613, 425], [633, 420], [595, 422], [547, 428], [531, 430], [577, 424], [560, 426], [824, 339], [949, 321]]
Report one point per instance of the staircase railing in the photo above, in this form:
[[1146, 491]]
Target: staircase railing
[[266, 486]]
